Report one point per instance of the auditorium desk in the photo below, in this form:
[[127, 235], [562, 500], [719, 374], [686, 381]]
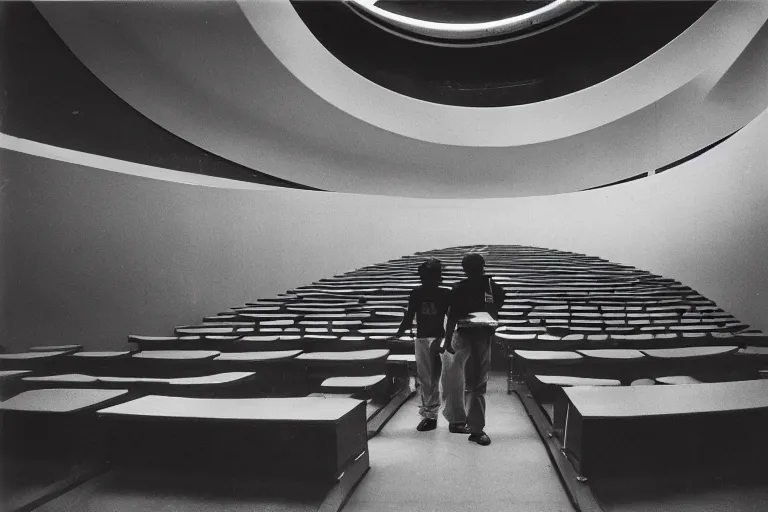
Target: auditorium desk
[[187, 454], [352, 356], [624, 428], [56, 348], [311, 436], [12, 374], [29, 360], [49, 442], [103, 355]]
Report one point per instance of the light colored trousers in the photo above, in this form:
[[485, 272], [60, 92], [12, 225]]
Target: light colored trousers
[[428, 364], [465, 378]]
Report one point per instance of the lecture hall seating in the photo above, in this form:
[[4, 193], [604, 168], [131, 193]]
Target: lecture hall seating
[[50, 441], [572, 326]]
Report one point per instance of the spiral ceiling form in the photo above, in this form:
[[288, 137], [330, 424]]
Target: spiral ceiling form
[[268, 85]]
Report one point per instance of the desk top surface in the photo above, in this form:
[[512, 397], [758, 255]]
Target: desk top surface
[[66, 377], [55, 348], [60, 400], [611, 353], [639, 401], [106, 354], [176, 355], [266, 355], [242, 409], [219, 378], [12, 374], [548, 355], [670, 353], [402, 357], [30, 355], [260, 338], [352, 355], [566, 381], [678, 380], [202, 380], [353, 382]]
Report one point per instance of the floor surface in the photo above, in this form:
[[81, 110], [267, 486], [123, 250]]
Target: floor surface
[[440, 471]]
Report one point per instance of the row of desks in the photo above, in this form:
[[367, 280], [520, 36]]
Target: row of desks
[[317, 442]]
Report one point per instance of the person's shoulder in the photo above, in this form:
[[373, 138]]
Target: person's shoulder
[[416, 292], [457, 287]]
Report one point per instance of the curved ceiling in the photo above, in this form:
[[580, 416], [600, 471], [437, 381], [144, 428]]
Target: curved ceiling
[[459, 23], [577, 53], [50, 96], [224, 76]]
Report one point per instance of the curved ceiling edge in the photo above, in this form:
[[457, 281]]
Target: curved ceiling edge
[[635, 88], [290, 132], [667, 167], [468, 31], [717, 151], [70, 156]]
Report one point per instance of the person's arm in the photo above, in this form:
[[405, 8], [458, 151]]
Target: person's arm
[[450, 328], [410, 314]]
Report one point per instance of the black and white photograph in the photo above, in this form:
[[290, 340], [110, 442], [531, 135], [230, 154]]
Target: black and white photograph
[[383, 255]]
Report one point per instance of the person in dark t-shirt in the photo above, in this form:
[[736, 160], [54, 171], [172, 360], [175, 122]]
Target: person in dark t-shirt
[[467, 371], [428, 304]]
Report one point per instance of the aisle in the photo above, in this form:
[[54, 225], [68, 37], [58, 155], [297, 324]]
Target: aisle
[[443, 472]]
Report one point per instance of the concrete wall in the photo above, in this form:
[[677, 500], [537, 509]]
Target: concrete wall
[[90, 256]]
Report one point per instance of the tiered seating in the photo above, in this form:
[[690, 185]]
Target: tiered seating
[[261, 383], [683, 424], [49, 441], [574, 324], [569, 323], [189, 454]]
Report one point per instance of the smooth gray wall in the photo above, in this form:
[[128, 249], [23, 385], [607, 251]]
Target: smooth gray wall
[[90, 256]]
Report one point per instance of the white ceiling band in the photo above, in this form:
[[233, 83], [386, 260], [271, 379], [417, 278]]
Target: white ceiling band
[[689, 55], [463, 31]]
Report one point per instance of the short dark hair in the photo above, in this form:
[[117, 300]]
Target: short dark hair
[[431, 270], [472, 262]]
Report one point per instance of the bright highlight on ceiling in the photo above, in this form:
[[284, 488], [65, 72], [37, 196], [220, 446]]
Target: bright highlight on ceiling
[[252, 82], [416, 20]]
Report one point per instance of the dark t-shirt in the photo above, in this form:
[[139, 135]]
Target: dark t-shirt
[[429, 306], [474, 295]]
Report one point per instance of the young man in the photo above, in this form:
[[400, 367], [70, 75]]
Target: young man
[[468, 369], [429, 304]]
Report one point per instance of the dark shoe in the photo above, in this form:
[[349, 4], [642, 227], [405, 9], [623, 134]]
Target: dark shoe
[[426, 424], [458, 428], [480, 438]]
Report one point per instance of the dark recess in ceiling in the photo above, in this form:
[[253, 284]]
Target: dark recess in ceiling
[[49, 96], [587, 50]]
